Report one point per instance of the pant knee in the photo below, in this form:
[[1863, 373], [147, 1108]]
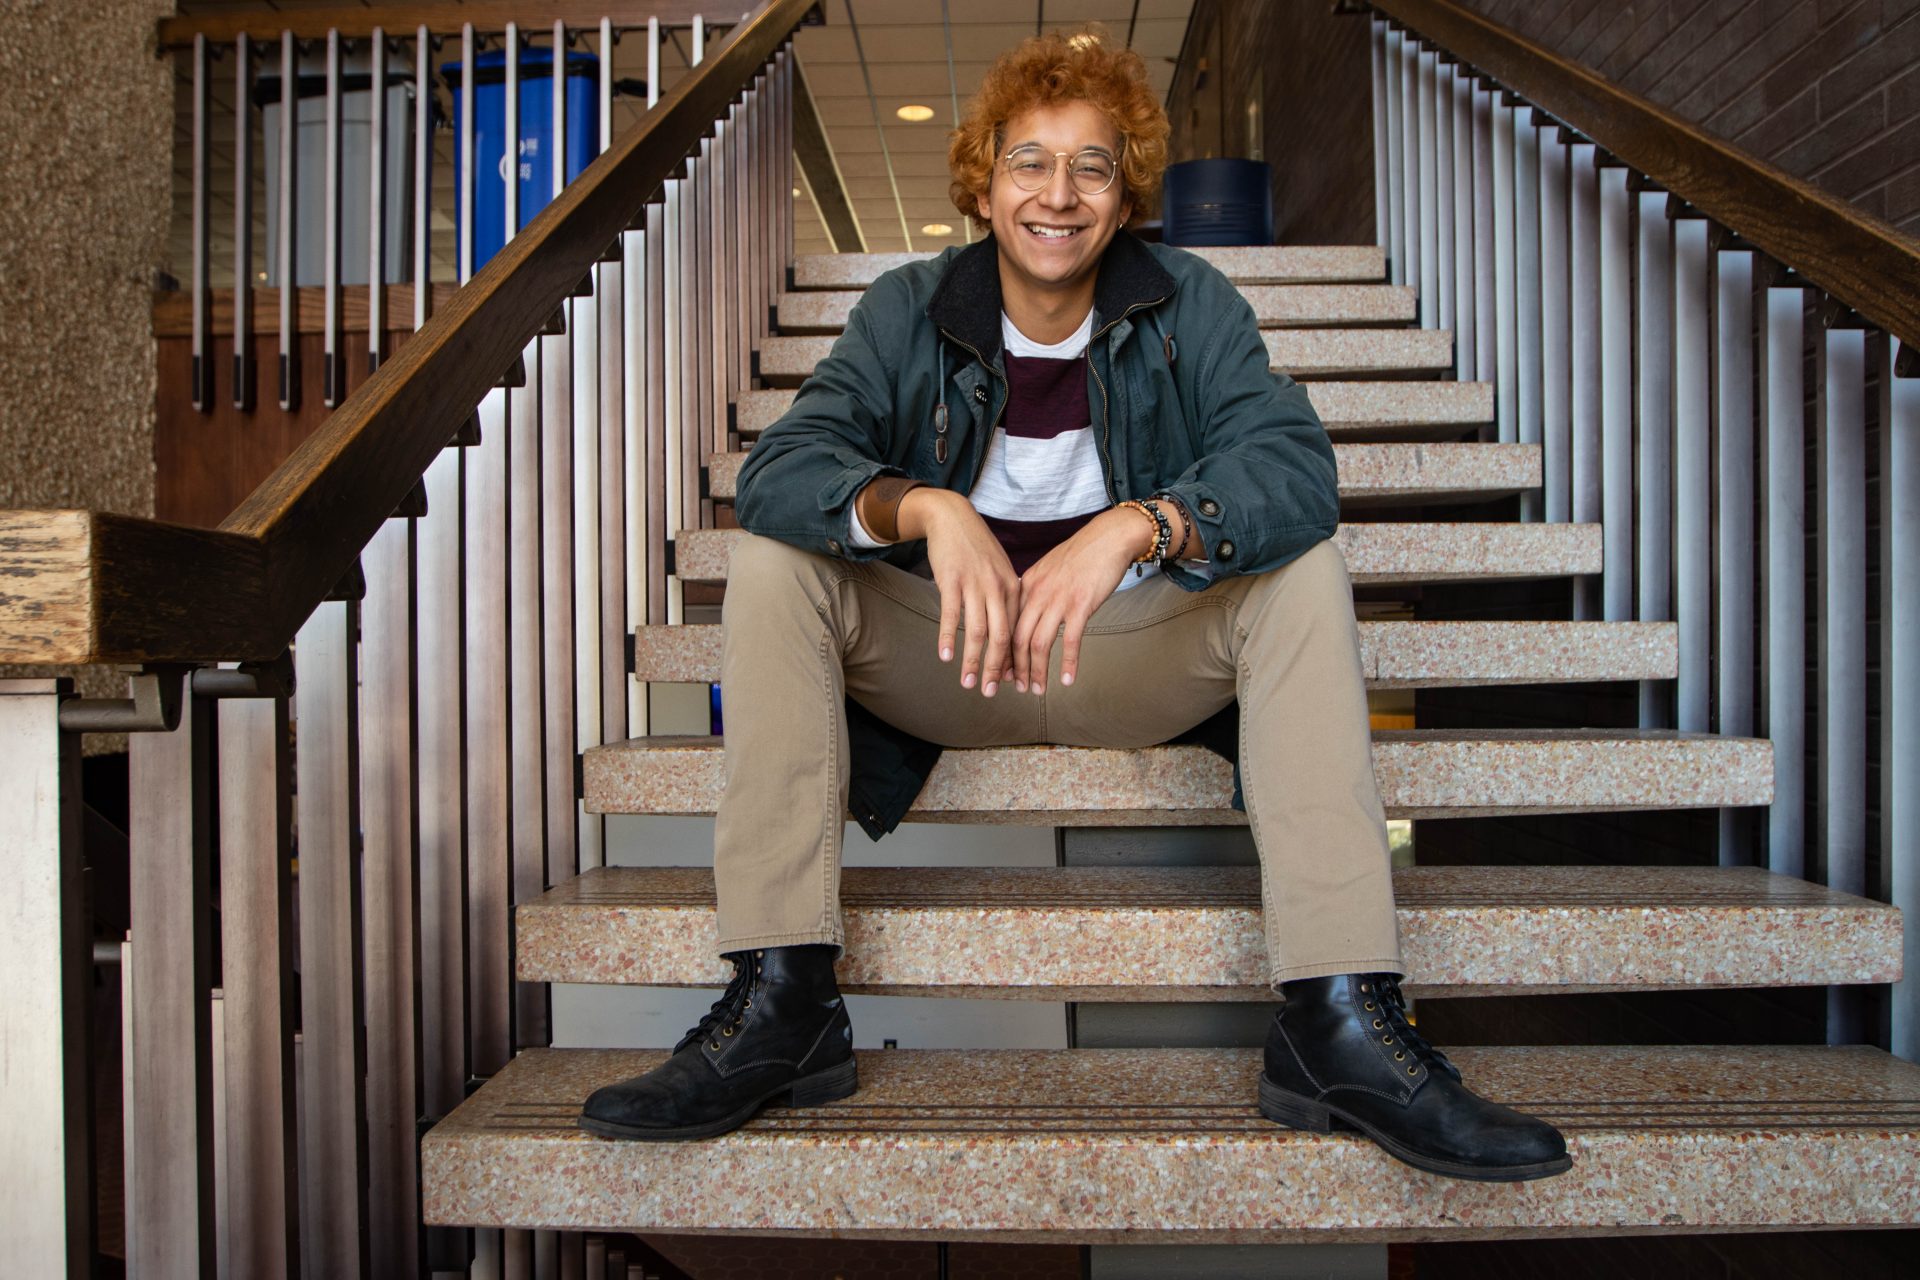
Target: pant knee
[[762, 571]]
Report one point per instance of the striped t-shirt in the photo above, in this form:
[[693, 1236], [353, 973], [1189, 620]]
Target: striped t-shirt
[[1042, 480]]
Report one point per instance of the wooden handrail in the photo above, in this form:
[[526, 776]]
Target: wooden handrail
[[81, 587], [400, 20], [1861, 261]]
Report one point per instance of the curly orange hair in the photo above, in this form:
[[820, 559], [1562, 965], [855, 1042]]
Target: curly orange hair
[[1041, 71]]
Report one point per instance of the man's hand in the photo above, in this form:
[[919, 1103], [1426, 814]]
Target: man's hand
[[1066, 586], [977, 584]]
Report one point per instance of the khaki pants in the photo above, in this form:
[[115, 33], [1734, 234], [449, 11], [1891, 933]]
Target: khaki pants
[[803, 631]]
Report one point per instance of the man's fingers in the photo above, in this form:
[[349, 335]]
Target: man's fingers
[[1070, 647], [976, 640], [949, 621], [1022, 631], [996, 644], [1039, 650]]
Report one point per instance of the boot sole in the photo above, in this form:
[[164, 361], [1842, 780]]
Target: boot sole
[[809, 1091], [1300, 1112]]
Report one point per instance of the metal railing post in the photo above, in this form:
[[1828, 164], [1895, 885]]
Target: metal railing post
[[45, 953]]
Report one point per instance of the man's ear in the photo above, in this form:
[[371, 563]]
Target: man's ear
[[984, 206], [1126, 210]]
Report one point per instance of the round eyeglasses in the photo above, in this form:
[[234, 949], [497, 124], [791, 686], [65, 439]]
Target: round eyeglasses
[[1031, 167]]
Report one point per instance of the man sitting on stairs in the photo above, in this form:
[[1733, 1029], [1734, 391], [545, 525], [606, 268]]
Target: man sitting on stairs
[[1045, 490]]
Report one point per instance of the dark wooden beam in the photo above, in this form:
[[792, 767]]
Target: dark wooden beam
[[1851, 254], [815, 157]]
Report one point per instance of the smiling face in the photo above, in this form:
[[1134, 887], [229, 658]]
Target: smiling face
[[1051, 239]]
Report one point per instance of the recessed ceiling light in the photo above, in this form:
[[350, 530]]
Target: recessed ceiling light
[[936, 229], [796, 191], [915, 112]]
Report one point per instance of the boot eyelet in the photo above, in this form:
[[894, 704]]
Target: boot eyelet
[[1365, 987], [1377, 1024], [1399, 1055], [713, 1044], [1369, 1006], [1386, 1039], [746, 1006], [1413, 1071], [729, 1031]]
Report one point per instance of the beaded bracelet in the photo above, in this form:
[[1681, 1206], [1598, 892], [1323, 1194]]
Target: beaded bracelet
[[1162, 535], [1180, 508]]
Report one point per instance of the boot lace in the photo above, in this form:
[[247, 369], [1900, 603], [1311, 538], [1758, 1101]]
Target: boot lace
[[732, 1004], [1393, 1005]]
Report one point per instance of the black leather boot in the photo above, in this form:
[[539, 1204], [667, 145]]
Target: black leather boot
[[1342, 1054], [780, 1027]]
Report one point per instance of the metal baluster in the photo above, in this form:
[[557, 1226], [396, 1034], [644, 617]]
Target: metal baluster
[[1840, 370], [170, 1190], [1900, 674], [1396, 165], [1382, 189], [45, 951], [333, 381], [389, 798], [1653, 436], [289, 295], [1556, 341], [332, 1155], [606, 580], [1465, 361], [489, 535], [1445, 244], [1616, 394], [376, 203], [1409, 79], [1506, 399], [257, 984], [469, 181], [422, 177], [243, 362], [530, 409], [635, 454], [1583, 358], [1428, 194], [783, 156], [657, 531], [1529, 415], [1782, 580], [202, 372], [1733, 584], [699, 295], [673, 332], [1484, 324], [1691, 424]]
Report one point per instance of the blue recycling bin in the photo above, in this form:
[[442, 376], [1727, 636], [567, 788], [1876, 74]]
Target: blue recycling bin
[[1217, 202], [535, 165]]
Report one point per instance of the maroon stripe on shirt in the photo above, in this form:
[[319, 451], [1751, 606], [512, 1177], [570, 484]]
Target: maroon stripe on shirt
[[1026, 541], [1046, 397]]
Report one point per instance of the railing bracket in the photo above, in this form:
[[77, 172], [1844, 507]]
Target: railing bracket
[[556, 324], [248, 680], [515, 376], [468, 433], [153, 708], [352, 585], [414, 505]]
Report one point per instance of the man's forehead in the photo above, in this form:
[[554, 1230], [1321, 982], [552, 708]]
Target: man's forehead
[[1072, 124]]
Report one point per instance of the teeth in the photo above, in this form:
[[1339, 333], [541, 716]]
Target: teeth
[[1051, 233]]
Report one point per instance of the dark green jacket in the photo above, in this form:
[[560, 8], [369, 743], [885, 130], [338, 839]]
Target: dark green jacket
[[1182, 402]]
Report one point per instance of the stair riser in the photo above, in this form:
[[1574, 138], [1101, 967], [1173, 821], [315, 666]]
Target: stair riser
[[1303, 353], [1379, 554], [1266, 264], [1016, 933], [1418, 776], [1394, 655], [1370, 474], [1349, 410], [1144, 1145], [1274, 307]]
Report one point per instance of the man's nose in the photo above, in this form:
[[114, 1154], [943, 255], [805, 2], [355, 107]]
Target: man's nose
[[1059, 193]]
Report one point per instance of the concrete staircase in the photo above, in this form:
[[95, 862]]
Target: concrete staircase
[[1163, 1144]]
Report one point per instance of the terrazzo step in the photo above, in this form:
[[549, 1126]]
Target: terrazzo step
[[1166, 1145], [1422, 773], [1349, 410], [1194, 933], [1249, 264], [1370, 474], [1302, 353], [1379, 554], [1394, 655], [1275, 306]]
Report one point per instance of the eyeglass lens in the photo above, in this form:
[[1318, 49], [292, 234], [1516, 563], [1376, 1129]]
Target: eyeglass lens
[[1031, 168]]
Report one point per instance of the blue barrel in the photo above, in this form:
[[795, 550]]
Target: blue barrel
[[1214, 202], [536, 136]]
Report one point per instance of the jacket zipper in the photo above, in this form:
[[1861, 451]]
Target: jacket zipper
[[1106, 410], [993, 426]]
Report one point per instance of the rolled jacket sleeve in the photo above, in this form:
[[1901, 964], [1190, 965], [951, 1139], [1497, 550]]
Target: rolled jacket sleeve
[[799, 480], [1264, 490]]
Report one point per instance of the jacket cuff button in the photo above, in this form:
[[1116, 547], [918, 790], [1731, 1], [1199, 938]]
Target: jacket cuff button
[[1208, 507], [1224, 551], [833, 545]]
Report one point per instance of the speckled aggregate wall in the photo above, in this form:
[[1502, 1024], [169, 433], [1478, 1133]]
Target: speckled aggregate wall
[[85, 159]]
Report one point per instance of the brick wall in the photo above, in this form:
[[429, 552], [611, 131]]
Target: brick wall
[[1829, 90]]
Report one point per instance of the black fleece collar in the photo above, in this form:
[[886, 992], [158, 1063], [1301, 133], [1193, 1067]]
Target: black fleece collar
[[966, 302]]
